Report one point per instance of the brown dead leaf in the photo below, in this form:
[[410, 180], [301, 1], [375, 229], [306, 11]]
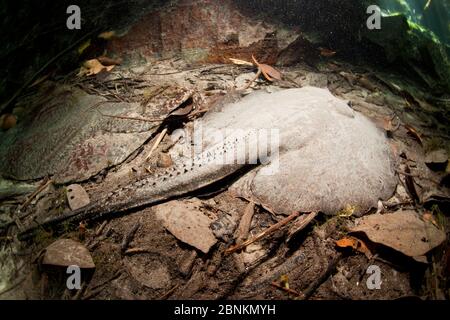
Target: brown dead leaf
[[187, 223], [324, 52], [269, 72], [355, 244], [413, 132], [106, 61], [93, 66], [403, 231]]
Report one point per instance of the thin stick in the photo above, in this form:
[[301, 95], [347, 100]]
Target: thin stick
[[34, 194], [129, 237], [416, 176], [99, 288], [263, 234], [100, 229], [324, 277], [295, 293], [253, 80], [168, 293], [244, 224], [300, 224], [157, 142], [136, 250]]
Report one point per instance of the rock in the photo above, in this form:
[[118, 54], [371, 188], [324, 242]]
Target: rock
[[67, 252], [211, 31], [187, 223], [403, 231], [437, 160], [77, 197]]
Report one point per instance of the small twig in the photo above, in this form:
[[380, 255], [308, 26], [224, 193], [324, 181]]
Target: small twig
[[157, 142], [97, 289], [170, 145], [364, 270], [300, 224], [100, 228], [35, 193], [80, 292], [415, 176], [316, 284], [263, 234], [244, 224], [168, 293], [136, 250], [253, 80], [291, 291], [129, 237]]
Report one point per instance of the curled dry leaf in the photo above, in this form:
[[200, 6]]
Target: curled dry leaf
[[269, 72], [355, 244], [413, 133], [324, 52], [93, 66]]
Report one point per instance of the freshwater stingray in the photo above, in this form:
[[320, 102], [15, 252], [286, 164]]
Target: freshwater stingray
[[329, 157], [319, 155]]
